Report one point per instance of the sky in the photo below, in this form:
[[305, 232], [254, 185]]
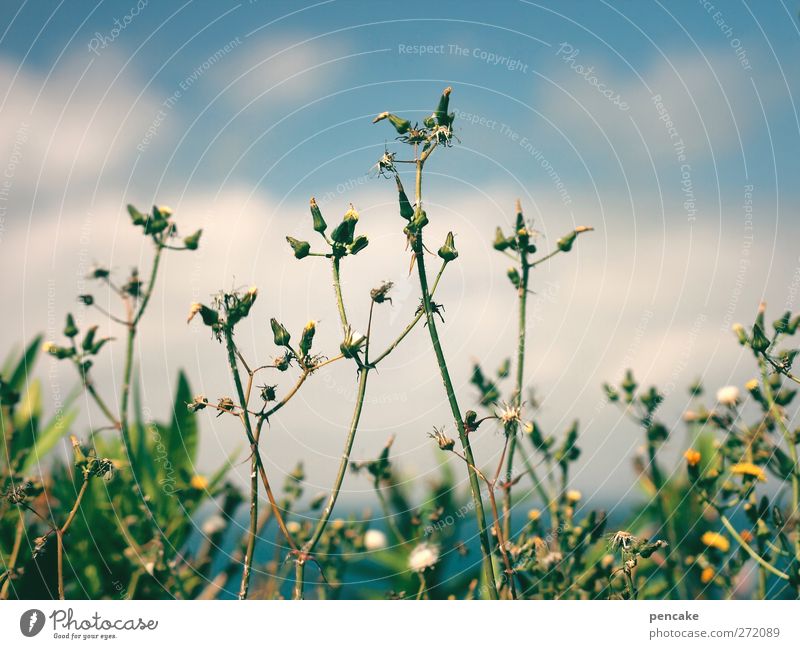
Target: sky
[[669, 127]]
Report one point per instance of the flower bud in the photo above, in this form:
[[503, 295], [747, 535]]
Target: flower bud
[[193, 240], [209, 316], [359, 243], [88, 339], [307, 337], [420, 219], [565, 243], [500, 241], [441, 114], [300, 248], [87, 300], [406, 211], [448, 251], [70, 328], [316, 215], [352, 343], [401, 125], [54, 350], [740, 332], [759, 343], [279, 332], [513, 275], [136, 216]]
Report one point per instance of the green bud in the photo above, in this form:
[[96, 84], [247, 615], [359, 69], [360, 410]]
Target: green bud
[[136, 216], [740, 332], [316, 215], [430, 121], [565, 243], [59, 352], [301, 248], [760, 342], [88, 300], [441, 114], [307, 337], [406, 211], [209, 316], [279, 332], [88, 339], [420, 219], [513, 275], [70, 328], [192, 241], [359, 243], [781, 325], [401, 125], [500, 241], [448, 251]]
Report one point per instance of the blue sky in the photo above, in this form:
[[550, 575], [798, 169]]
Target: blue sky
[[235, 113]]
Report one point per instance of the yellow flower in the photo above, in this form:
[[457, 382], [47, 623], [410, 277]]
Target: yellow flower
[[748, 468], [751, 385], [707, 575], [534, 514], [693, 457], [199, 482], [716, 540], [573, 495], [746, 536]]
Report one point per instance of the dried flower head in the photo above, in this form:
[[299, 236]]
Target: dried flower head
[[445, 443], [728, 395], [375, 540], [423, 557]]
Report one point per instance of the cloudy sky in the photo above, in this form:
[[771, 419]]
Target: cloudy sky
[[670, 127]]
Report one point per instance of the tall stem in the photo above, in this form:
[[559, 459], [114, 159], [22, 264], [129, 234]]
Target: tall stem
[[475, 487], [60, 532], [523, 303], [257, 464], [777, 415], [322, 523], [674, 582]]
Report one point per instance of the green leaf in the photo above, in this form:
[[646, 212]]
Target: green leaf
[[183, 434], [47, 438], [25, 366]]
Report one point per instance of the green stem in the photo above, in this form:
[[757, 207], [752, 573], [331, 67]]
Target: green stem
[[411, 324], [777, 415], [337, 288], [523, 302], [748, 548], [63, 530], [322, 523], [674, 582], [475, 487]]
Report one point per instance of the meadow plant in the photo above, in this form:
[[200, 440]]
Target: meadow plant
[[126, 515]]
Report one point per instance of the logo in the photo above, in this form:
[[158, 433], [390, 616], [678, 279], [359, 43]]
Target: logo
[[31, 622]]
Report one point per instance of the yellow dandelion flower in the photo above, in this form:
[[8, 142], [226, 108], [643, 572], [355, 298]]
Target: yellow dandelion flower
[[693, 457], [748, 468], [199, 482], [573, 495], [534, 514], [716, 540], [707, 574]]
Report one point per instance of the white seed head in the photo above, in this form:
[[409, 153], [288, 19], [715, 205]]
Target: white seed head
[[375, 540], [423, 557], [728, 396]]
